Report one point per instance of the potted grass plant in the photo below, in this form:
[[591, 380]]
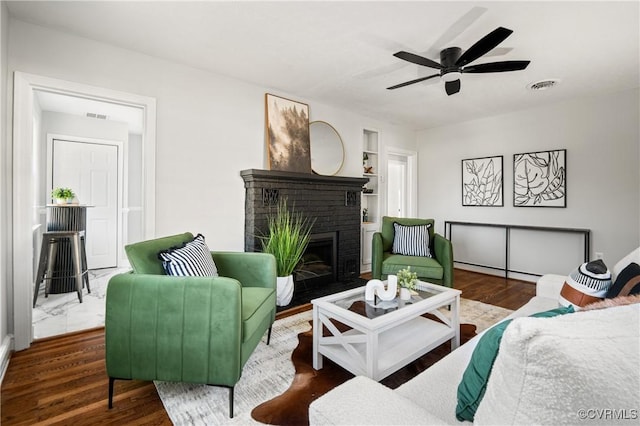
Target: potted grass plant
[[287, 239]]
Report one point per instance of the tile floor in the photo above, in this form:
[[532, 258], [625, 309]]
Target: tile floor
[[62, 313]]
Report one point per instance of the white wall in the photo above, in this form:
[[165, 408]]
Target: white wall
[[601, 135], [73, 125], [210, 127]]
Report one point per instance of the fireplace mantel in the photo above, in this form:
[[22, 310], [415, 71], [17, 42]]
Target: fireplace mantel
[[333, 202], [301, 178]]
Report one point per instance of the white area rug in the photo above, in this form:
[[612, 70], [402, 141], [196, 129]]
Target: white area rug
[[269, 372]]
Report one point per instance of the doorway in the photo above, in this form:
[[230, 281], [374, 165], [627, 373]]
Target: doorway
[[401, 183], [27, 175]]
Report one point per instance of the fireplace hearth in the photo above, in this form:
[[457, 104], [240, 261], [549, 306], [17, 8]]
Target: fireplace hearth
[[332, 202]]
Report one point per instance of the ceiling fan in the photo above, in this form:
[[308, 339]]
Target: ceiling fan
[[453, 63]]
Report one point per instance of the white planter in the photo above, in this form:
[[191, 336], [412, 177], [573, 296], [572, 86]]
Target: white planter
[[405, 293], [284, 290]]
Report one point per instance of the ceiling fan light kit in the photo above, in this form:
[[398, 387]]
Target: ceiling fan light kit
[[453, 61], [451, 76]]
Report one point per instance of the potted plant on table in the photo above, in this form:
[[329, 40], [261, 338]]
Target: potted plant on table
[[63, 195], [287, 238], [407, 281]]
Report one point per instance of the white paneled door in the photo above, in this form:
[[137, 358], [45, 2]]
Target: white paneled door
[[397, 185], [91, 170]]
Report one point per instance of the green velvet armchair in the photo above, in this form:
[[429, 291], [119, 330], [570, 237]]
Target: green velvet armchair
[[437, 269], [187, 329]]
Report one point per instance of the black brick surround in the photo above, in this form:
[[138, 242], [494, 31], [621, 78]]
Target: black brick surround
[[333, 201]]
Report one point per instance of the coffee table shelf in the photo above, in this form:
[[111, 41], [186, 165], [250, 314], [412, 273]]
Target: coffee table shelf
[[379, 345]]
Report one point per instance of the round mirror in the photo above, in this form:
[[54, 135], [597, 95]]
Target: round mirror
[[327, 150]]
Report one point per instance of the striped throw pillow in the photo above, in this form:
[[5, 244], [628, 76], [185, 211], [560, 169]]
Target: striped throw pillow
[[191, 260], [411, 240]]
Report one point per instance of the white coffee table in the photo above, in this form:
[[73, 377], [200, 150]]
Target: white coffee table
[[386, 336]]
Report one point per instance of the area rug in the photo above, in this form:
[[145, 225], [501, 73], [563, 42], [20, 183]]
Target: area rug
[[270, 373]]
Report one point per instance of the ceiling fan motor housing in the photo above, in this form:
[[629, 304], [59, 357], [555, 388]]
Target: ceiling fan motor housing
[[448, 58]]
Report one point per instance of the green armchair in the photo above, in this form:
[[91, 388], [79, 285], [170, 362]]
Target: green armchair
[[187, 329], [437, 269]]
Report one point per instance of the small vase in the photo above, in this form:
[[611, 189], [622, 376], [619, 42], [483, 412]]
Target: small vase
[[284, 290], [61, 201], [405, 293]]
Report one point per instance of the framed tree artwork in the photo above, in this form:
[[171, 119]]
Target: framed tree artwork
[[287, 134], [482, 182], [540, 179]]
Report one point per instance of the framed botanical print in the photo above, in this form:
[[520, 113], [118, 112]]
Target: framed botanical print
[[482, 182], [287, 134], [540, 179]]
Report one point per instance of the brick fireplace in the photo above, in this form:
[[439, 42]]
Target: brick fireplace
[[334, 203]]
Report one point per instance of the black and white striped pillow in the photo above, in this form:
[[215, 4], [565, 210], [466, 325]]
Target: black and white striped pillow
[[191, 260], [411, 240]]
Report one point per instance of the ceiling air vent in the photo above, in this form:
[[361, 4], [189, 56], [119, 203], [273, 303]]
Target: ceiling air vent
[[94, 115], [543, 84]]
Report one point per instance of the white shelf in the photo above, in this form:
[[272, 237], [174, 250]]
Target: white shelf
[[396, 347], [371, 200]]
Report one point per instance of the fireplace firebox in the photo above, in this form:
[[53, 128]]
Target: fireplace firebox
[[319, 261]]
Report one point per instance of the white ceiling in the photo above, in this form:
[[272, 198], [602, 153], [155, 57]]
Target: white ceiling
[[73, 105], [340, 53]]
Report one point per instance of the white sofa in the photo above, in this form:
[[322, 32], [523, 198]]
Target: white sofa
[[431, 397]]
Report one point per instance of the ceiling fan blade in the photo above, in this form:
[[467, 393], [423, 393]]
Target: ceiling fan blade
[[457, 28], [498, 51], [417, 80], [452, 87], [484, 45], [497, 67], [418, 60], [381, 43]]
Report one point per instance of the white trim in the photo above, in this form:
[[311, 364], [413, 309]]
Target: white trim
[[123, 190], [5, 355], [22, 203], [412, 179], [24, 85]]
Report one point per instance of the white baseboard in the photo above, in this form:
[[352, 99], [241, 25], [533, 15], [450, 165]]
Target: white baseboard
[[5, 354]]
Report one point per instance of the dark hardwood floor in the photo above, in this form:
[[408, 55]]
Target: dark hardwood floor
[[62, 380]]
